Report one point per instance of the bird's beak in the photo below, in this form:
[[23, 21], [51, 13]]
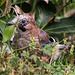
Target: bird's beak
[[10, 23], [14, 21]]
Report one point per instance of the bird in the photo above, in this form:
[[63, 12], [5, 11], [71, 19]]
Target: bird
[[27, 29]]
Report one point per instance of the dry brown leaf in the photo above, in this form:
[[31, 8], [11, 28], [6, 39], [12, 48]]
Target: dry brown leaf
[[18, 10]]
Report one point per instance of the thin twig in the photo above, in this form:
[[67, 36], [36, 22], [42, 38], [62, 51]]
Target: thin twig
[[22, 48], [15, 11], [51, 59]]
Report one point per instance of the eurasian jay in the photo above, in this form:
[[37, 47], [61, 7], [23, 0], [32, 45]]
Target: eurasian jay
[[27, 29]]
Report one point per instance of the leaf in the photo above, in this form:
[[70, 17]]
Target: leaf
[[58, 68], [44, 12], [25, 69], [18, 1], [61, 73], [72, 1], [2, 2], [2, 25], [8, 17], [65, 25], [3, 72], [55, 73], [32, 69], [33, 4], [32, 46], [4, 20], [47, 66], [32, 56], [47, 49], [14, 61], [26, 54], [7, 33], [18, 10], [57, 2]]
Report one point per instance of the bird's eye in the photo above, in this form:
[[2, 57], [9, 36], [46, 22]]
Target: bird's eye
[[23, 21], [27, 21]]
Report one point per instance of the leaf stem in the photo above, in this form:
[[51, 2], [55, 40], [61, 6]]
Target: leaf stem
[[3, 21], [55, 14], [22, 48]]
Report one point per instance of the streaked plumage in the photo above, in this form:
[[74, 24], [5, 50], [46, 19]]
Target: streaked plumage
[[26, 29]]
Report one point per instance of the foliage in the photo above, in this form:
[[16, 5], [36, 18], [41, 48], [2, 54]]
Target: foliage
[[34, 64], [32, 46], [44, 12], [37, 61], [2, 2], [8, 33], [47, 50], [66, 25]]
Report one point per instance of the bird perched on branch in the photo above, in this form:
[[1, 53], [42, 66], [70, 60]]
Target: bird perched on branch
[[27, 29]]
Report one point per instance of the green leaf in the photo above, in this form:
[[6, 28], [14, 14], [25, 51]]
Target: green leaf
[[61, 73], [73, 1], [55, 73], [14, 61], [8, 17], [26, 54], [7, 33], [33, 56], [32, 46], [44, 12], [58, 68], [3, 72], [2, 25], [25, 69], [19, 1], [56, 2], [2, 2], [4, 20], [65, 25], [47, 49], [47, 66], [33, 4]]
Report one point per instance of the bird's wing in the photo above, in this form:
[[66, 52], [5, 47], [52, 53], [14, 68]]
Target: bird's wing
[[44, 37]]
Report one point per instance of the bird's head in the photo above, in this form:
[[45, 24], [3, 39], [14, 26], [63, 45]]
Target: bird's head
[[26, 22]]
